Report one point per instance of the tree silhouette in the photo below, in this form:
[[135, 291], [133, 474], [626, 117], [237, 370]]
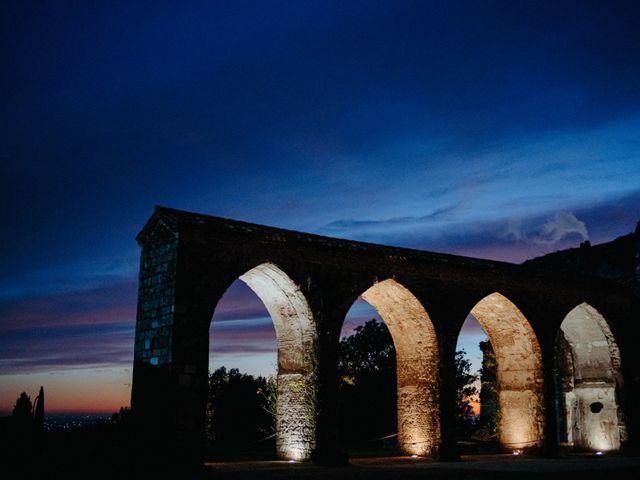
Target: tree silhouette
[[465, 387], [237, 409], [241, 408], [367, 383], [23, 407], [489, 387], [368, 392]]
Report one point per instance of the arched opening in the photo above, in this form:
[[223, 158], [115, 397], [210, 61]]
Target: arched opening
[[588, 375], [242, 377], [417, 366], [296, 336], [475, 389], [367, 397], [519, 422]]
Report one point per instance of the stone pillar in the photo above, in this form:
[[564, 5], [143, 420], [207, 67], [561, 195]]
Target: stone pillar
[[154, 332], [171, 352], [448, 421], [552, 402], [297, 358], [326, 451], [417, 366]]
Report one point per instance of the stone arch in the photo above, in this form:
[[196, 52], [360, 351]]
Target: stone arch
[[588, 367], [519, 371], [296, 342], [417, 361]]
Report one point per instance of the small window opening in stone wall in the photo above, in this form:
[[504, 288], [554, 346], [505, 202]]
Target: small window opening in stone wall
[[596, 407]]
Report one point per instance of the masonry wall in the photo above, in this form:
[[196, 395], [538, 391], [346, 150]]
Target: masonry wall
[[195, 258]]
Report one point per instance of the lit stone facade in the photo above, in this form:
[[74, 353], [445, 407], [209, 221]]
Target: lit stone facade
[[519, 375], [589, 364], [308, 283]]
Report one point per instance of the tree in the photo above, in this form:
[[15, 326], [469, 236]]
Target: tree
[[237, 409], [368, 351], [367, 373], [465, 387], [123, 416], [489, 387], [270, 394], [23, 407], [367, 370]]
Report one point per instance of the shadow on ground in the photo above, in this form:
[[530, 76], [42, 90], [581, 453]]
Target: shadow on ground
[[471, 467]]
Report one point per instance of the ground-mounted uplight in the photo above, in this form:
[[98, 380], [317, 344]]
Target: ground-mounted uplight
[[414, 456], [517, 452], [292, 461], [599, 453]]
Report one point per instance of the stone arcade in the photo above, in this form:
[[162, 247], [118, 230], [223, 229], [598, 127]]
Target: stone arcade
[[564, 344]]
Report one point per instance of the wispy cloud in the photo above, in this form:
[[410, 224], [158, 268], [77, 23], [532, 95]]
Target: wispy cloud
[[109, 304], [353, 225], [553, 230], [66, 348]]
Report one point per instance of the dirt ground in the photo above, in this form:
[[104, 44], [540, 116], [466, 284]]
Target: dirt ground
[[471, 467]]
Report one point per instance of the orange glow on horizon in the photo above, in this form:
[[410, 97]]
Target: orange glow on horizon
[[475, 404], [72, 391]]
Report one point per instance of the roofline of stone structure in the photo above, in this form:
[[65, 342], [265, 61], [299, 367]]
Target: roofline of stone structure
[[183, 218], [178, 220]]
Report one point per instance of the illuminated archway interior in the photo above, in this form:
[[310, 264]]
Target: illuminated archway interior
[[588, 367], [519, 371], [296, 337], [417, 362]]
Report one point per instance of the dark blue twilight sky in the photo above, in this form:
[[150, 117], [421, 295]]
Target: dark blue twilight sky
[[495, 129]]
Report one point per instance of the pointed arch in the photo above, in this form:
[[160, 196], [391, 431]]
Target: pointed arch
[[417, 361], [296, 335], [519, 371], [588, 364]]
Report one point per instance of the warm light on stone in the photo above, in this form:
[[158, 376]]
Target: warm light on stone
[[296, 334], [188, 260], [416, 347], [519, 375], [588, 362]]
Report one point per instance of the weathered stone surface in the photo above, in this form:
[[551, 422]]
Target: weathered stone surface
[[308, 283], [296, 416], [519, 371], [590, 366], [417, 364]]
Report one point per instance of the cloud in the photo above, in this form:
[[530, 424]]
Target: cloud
[[68, 347], [352, 225], [558, 227], [517, 238], [110, 304]]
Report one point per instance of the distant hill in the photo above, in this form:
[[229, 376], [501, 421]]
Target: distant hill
[[617, 260]]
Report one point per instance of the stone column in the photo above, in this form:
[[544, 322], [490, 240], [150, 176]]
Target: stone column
[[551, 427], [152, 377]]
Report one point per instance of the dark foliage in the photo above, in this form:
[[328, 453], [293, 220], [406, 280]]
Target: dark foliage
[[23, 407], [237, 407], [368, 393], [367, 372], [465, 388], [465, 391], [489, 388]]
